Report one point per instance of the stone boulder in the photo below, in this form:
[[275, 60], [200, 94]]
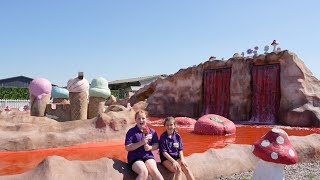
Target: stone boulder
[[214, 125], [116, 116], [111, 100], [22, 132], [141, 105]]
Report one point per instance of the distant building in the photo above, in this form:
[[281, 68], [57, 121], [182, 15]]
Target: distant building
[[18, 81], [133, 84]]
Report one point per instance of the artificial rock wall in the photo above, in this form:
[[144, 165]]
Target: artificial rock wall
[[181, 94]]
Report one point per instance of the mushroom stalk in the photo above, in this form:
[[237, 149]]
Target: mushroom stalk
[[267, 170], [274, 48]]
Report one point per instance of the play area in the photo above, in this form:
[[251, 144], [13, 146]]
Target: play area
[[258, 114]]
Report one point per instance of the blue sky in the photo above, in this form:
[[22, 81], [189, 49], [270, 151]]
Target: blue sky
[[131, 38]]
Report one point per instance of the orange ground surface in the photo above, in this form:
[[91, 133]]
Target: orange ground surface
[[19, 162]]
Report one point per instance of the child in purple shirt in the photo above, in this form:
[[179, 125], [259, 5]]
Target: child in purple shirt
[[171, 153], [139, 145]]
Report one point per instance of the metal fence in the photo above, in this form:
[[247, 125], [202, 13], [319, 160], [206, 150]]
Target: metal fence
[[13, 103]]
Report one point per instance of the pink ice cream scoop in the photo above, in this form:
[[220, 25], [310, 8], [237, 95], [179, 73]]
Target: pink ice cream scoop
[[40, 87], [78, 85]]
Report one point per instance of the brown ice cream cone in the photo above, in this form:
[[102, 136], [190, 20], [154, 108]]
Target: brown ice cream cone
[[59, 100], [79, 105], [96, 105], [38, 106]]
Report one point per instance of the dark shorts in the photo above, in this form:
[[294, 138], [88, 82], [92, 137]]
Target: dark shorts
[[138, 159], [164, 158]]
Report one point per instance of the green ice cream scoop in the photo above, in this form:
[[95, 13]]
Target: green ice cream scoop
[[99, 87]]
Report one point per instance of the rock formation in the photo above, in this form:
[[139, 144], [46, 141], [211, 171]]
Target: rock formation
[[181, 94], [208, 165], [20, 132]]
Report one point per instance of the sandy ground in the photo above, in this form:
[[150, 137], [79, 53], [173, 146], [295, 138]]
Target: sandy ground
[[307, 171]]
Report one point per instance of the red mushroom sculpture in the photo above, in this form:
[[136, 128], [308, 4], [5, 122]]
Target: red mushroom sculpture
[[274, 44], [275, 150], [211, 58]]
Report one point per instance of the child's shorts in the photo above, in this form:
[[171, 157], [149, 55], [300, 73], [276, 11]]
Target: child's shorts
[[138, 159], [164, 158]]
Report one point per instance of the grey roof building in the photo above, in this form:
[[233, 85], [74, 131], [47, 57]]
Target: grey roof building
[[18, 81], [134, 84]]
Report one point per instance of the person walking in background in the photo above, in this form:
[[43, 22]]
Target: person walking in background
[[171, 153], [140, 141]]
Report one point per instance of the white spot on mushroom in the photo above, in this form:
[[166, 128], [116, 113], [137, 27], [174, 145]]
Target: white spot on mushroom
[[252, 148], [280, 140], [265, 143], [284, 132], [276, 130], [274, 155], [291, 153]]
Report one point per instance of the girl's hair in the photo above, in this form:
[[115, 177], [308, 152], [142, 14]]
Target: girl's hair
[[140, 112], [169, 119]]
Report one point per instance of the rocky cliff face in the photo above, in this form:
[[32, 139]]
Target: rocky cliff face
[[300, 93], [181, 94]]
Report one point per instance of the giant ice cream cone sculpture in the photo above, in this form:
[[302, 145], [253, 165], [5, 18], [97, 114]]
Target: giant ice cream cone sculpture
[[78, 94], [59, 94], [99, 92], [40, 92]]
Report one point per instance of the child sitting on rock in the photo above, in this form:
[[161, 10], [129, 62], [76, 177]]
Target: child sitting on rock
[[171, 153], [140, 141]]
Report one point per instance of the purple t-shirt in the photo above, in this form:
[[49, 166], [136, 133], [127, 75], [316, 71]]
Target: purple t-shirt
[[135, 135], [170, 145]]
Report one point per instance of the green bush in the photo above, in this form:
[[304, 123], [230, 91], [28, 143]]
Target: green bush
[[14, 93], [119, 94]]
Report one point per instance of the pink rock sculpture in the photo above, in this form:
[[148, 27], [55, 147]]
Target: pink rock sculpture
[[185, 121], [215, 125]]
